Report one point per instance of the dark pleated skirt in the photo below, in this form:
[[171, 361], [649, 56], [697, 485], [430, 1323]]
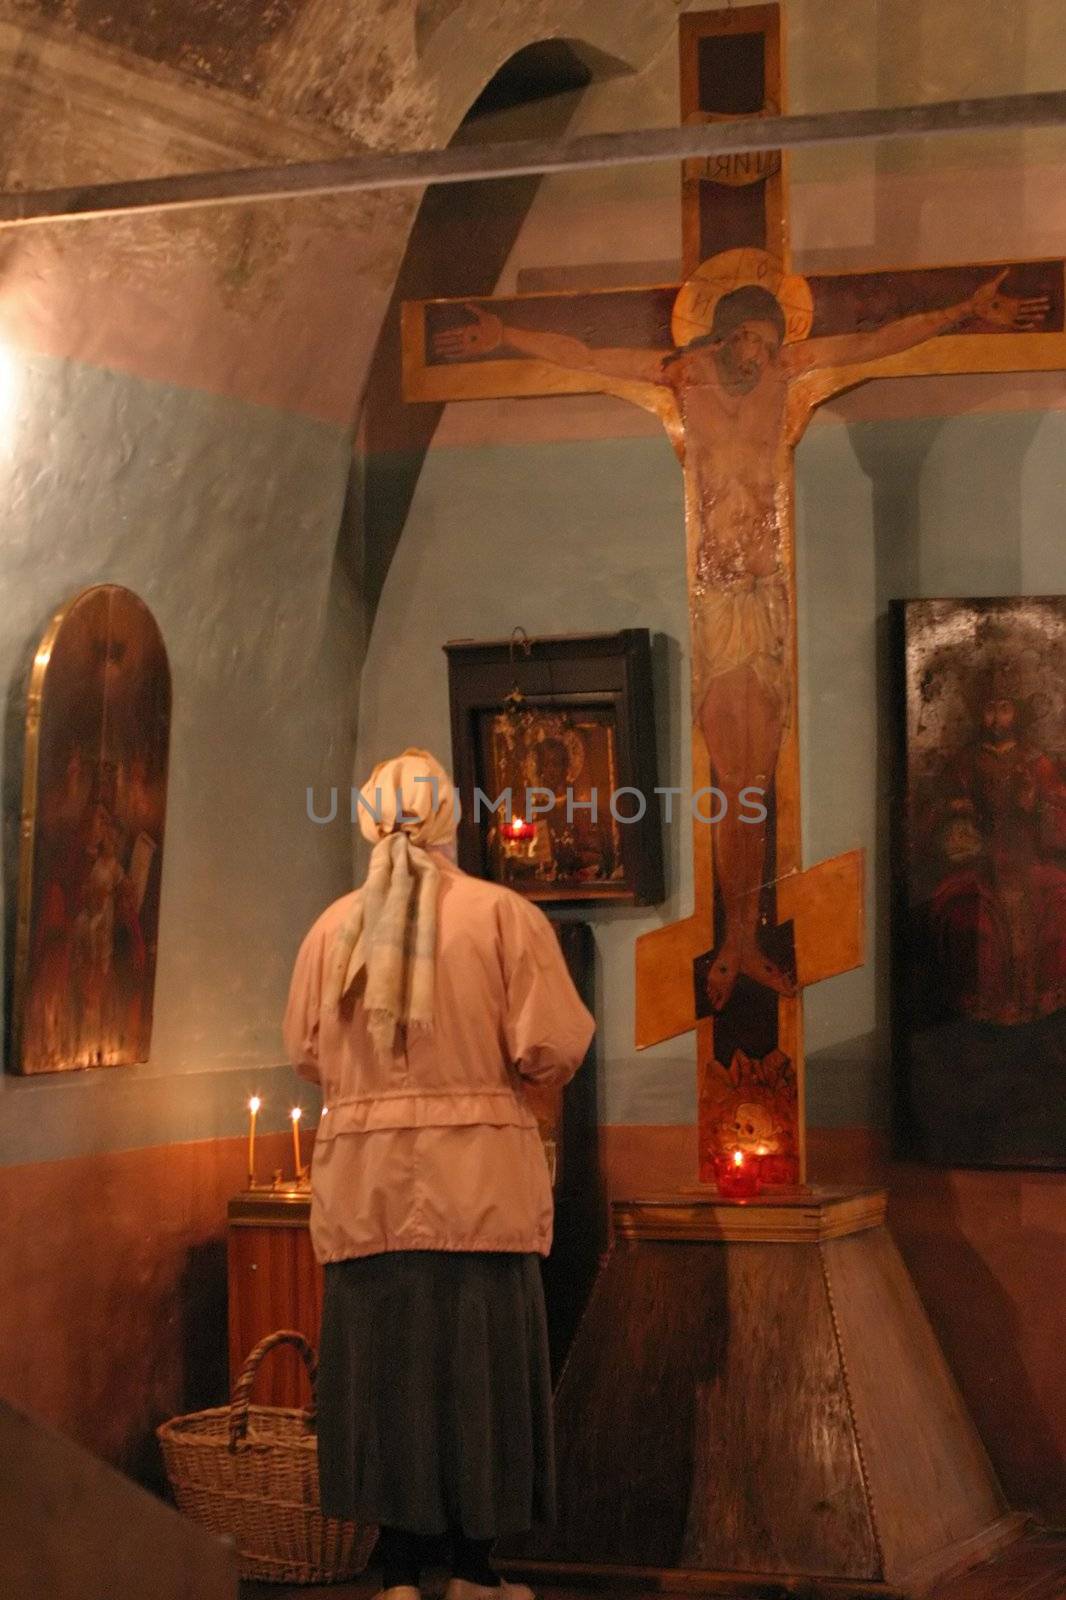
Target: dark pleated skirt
[[434, 1393]]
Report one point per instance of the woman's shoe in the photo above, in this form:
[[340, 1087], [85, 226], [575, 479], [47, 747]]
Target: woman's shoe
[[459, 1589]]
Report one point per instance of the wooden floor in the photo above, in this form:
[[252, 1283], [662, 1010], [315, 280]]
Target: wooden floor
[[1033, 1569]]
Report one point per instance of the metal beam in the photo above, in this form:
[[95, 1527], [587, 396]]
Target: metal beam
[[467, 163]]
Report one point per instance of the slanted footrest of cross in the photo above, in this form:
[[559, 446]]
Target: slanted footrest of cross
[[825, 905]]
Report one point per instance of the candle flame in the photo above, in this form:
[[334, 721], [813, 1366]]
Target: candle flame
[[738, 1158], [296, 1113], [254, 1104]]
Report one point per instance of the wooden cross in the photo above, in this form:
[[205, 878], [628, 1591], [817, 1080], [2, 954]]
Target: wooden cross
[[734, 361]]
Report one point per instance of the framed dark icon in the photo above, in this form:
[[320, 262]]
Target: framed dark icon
[[93, 812], [553, 751], [981, 881]]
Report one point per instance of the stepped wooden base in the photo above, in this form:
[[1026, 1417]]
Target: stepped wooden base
[[755, 1404], [759, 1586], [781, 1216]]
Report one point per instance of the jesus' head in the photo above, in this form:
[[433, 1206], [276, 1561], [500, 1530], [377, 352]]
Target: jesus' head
[[747, 331]]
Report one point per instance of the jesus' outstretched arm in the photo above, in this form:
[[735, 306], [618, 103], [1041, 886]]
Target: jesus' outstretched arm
[[488, 332], [987, 304]]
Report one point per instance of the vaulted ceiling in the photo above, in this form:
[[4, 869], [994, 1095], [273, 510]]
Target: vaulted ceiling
[[279, 302]]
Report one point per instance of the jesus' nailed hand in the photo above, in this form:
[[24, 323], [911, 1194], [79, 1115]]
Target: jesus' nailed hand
[[723, 399]]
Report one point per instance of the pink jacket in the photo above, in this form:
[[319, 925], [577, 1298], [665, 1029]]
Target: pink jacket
[[439, 1150]]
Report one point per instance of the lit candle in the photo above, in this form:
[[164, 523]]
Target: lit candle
[[296, 1114], [253, 1108], [517, 830], [737, 1175]]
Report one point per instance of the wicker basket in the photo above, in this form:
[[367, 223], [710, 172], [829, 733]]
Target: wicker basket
[[251, 1473]]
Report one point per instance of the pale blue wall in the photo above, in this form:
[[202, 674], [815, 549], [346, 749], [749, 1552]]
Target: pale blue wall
[[557, 538], [587, 536], [966, 505], [224, 517]]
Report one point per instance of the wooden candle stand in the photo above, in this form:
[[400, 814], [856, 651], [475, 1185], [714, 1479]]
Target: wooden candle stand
[[274, 1282], [755, 1404]]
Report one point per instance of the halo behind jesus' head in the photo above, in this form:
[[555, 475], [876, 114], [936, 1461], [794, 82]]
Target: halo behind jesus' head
[[721, 277]]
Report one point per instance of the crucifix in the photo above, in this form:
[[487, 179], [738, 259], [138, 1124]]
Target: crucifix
[[734, 361]]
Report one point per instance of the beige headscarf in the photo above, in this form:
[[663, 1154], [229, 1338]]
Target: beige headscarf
[[408, 804]]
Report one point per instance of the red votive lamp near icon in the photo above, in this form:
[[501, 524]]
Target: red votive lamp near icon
[[737, 1175], [517, 831]]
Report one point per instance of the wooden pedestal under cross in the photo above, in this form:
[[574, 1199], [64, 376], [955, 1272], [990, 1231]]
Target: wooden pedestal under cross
[[734, 361], [755, 1405]]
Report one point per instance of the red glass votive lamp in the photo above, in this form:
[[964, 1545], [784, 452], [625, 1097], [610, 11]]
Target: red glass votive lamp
[[517, 831], [737, 1175]]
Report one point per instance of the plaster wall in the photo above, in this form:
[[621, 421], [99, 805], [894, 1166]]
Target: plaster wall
[[178, 399], [565, 512], [224, 518], [579, 536]]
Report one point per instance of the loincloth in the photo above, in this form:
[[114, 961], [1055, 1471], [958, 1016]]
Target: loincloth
[[745, 625]]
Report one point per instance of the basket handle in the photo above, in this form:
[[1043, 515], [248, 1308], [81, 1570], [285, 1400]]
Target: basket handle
[[242, 1389]]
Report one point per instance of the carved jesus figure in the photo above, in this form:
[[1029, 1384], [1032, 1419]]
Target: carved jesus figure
[[724, 401]]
